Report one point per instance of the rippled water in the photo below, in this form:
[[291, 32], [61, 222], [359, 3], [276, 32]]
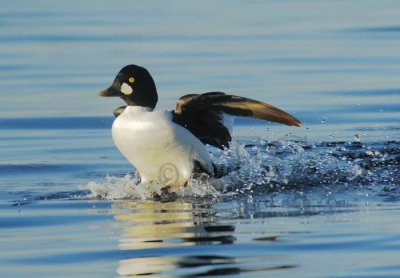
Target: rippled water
[[316, 201]]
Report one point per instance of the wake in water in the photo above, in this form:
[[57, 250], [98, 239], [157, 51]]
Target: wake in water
[[258, 167]]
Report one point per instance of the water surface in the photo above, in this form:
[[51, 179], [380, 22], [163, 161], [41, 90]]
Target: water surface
[[317, 201]]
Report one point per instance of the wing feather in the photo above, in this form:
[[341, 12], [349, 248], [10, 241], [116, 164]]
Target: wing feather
[[202, 114]]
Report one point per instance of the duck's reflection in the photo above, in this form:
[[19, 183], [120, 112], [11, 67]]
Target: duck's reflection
[[155, 225]]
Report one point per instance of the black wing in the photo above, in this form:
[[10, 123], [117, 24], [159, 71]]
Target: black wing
[[202, 114]]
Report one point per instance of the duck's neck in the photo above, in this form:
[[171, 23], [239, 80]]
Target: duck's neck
[[149, 100], [134, 108]]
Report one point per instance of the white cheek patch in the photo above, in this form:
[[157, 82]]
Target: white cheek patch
[[126, 89]]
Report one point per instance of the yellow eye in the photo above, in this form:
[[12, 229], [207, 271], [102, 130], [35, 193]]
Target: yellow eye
[[131, 79]]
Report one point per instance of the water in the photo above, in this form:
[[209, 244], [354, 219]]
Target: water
[[316, 201]]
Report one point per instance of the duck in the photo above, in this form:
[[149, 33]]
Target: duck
[[166, 147]]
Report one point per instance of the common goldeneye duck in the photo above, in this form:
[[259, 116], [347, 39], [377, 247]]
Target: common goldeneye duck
[[164, 146]]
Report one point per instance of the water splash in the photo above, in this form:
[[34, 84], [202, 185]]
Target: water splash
[[260, 167], [130, 187]]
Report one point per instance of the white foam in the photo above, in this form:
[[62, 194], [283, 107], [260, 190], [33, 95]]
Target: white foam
[[128, 187], [264, 167]]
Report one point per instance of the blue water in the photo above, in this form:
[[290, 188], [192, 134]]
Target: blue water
[[322, 200]]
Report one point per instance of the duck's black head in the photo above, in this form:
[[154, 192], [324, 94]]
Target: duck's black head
[[135, 86]]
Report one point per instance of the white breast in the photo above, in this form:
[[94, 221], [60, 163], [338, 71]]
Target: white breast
[[159, 149]]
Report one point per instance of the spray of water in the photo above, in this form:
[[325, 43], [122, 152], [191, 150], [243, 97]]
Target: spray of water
[[264, 167]]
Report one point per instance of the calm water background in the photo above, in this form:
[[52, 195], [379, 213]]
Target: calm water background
[[332, 209]]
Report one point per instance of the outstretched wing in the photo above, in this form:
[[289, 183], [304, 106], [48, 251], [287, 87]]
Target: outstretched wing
[[202, 114]]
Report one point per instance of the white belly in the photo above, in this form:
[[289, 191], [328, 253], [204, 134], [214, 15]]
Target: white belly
[[160, 150]]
